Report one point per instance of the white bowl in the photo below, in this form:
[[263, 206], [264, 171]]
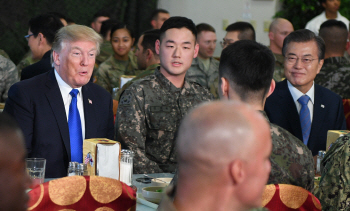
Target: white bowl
[[158, 183], [151, 194]]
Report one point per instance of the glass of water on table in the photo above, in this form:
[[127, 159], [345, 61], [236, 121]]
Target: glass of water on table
[[36, 170]]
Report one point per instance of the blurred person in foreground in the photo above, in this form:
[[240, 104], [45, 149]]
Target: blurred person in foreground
[[246, 71], [279, 29], [229, 173], [57, 110], [14, 179]]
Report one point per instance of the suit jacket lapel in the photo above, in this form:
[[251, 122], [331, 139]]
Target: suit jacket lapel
[[89, 112], [319, 113], [289, 109], [54, 97]]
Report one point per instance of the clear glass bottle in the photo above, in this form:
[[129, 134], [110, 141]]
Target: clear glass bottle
[[72, 167], [319, 166], [82, 170], [126, 166]]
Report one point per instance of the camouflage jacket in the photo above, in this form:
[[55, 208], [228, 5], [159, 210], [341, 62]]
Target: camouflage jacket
[[197, 73], [148, 117], [142, 73], [334, 190], [26, 61], [8, 76], [335, 75], [106, 50], [109, 72], [4, 54], [291, 161], [278, 74]]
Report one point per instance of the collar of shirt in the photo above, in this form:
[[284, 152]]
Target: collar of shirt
[[296, 94], [165, 83], [67, 98]]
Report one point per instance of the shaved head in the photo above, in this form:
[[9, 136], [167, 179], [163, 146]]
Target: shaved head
[[279, 29], [220, 144]]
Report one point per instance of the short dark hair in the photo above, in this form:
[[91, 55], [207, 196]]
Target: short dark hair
[[335, 35], [204, 27], [178, 23], [122, 26], [107, 25], [245, 29], [101, 13], [249, 67], [59, 15], [149, 39], [156, 12], [47, 24], [304, 35]]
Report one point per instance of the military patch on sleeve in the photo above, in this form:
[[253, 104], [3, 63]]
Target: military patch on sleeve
[[125, 99]]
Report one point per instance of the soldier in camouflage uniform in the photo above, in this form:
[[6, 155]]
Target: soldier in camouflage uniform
[[123, 62], [279, 29], [150, 110], [25, 62], [335, 72], [291, 160], [204, 68], [147, 57], [334, 191], [8, 76], [4, 54]]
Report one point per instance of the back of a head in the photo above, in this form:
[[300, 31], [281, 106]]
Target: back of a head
[[156, 12], [249, 67], [178, 23], [335, 35], [9, 128], [302, 36], [149, 39], [74, 33], [204, 27], [47, 24], [246, 30], [107, 25]]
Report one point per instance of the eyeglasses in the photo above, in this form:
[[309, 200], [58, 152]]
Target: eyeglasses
[[225, 43], [304, 60], [27, 36]]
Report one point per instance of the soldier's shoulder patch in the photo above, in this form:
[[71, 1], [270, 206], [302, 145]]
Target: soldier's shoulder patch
[[125, 99]]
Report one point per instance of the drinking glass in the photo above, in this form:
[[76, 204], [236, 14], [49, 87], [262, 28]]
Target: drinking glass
[[36, 170]]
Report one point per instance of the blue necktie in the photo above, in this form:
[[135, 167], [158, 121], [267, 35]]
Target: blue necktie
[[75, 132], [305, 120]]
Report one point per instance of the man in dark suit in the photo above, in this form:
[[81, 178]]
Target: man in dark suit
[[41, 34], [302, 107], [44, 104]]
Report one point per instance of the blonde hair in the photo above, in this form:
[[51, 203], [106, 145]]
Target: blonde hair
[[73, 33]]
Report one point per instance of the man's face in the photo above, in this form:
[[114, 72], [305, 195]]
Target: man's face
[[14, 180], [331, 5], [207, 44], [176, 51], [33, 43], [96, 25], [281, 31], [75, 62], [301, 64], [160, 20], [230, 38], [258, 168], [141, 57]]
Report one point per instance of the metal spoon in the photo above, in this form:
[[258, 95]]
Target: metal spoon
[[154, 178]]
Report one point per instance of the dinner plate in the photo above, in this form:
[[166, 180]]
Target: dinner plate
[[143, 201]]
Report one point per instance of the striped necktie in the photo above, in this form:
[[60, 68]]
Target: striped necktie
[[75, 131]]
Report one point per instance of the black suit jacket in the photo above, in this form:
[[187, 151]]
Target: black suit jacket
[[42, 66], [38, 107], [328, 114]]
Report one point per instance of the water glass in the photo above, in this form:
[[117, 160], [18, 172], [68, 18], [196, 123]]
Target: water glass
[[36, 170]]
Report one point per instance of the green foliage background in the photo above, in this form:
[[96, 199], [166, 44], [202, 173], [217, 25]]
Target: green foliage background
[[15, 14], [299, 12]]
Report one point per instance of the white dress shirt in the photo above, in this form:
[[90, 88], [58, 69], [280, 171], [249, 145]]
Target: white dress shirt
[[67, 98], [315, 23], [296, 94]]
